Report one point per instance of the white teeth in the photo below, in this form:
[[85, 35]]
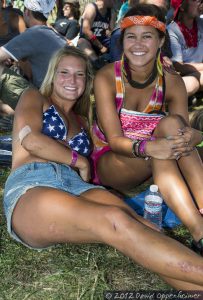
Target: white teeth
[[138, 53], [70, 88]]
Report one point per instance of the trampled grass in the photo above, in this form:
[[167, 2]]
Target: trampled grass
[[70, 271]]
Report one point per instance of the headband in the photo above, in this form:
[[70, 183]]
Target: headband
[[144, 21]]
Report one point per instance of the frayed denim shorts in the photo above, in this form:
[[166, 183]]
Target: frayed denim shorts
[[36, 174]]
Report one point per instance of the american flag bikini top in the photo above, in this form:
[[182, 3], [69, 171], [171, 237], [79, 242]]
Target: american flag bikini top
[[54, 127]]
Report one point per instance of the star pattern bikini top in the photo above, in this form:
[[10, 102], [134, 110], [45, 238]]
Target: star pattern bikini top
[[54, 127]]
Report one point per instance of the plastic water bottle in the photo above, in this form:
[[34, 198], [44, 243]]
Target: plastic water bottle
[[153, 206]]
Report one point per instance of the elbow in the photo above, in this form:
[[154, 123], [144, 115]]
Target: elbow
[[114, 144], [31, 143]]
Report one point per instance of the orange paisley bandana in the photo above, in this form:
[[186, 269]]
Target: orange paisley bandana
[[144, 21]]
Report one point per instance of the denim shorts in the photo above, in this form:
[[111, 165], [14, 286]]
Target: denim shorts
[[35, 174]]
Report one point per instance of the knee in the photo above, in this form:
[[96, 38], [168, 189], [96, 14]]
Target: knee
[[170, 124], [82, 42], [192, 83], [117, 219]]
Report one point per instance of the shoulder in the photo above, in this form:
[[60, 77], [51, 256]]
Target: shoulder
[[104, 81], [107, 72], [200, 24], [73, 21], [171, 75], [46, 32], [39, 30], [173, 28], [173, 82], [90, 9], [32, 95]]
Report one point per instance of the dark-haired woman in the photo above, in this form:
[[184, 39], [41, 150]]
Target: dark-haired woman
[[133, 138]]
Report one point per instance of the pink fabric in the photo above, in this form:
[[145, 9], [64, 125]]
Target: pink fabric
[[138, 126], [95, 157]]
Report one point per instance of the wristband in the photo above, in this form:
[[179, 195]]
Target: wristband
[[93, 38], [74, 158], [141, 149], [138, 148]]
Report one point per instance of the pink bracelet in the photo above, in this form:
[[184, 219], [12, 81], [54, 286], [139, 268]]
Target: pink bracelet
[[142, 148], [74, 158], [93, 38]]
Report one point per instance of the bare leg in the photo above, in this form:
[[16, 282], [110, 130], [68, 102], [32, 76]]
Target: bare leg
[[171, 176], [191, 84], [120, 172], [173, 185], [55, 220]]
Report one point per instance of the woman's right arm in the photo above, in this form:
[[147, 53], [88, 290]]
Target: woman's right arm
[[29, 113]]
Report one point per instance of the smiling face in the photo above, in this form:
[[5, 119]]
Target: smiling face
[[70, 78], [141, 44]]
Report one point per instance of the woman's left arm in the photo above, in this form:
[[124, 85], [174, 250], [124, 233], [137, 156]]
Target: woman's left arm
[[177, 101]]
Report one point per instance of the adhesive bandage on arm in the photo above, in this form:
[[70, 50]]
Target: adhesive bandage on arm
[[23, 133]]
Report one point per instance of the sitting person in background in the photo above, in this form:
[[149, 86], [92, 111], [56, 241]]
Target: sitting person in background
[[11, 87], [133, 138], [197, 123], [11, 84], [47, 197], [68, 25], [186, 39], [35, 45], [96, 28], [11, 24]]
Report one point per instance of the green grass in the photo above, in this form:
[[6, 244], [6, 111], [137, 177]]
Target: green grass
[[70, 271]]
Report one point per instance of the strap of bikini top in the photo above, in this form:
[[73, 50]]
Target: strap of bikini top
[[119, 86], [163, 92]]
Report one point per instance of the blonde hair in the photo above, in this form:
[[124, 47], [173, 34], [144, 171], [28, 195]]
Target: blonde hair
[[82, 106]]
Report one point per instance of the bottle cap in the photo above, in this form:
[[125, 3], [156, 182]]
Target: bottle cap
[[153, 188]]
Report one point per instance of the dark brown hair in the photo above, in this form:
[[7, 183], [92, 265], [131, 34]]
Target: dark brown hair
[[146, 10]]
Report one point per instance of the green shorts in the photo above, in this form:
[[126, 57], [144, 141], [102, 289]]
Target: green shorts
[[11, 87]]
